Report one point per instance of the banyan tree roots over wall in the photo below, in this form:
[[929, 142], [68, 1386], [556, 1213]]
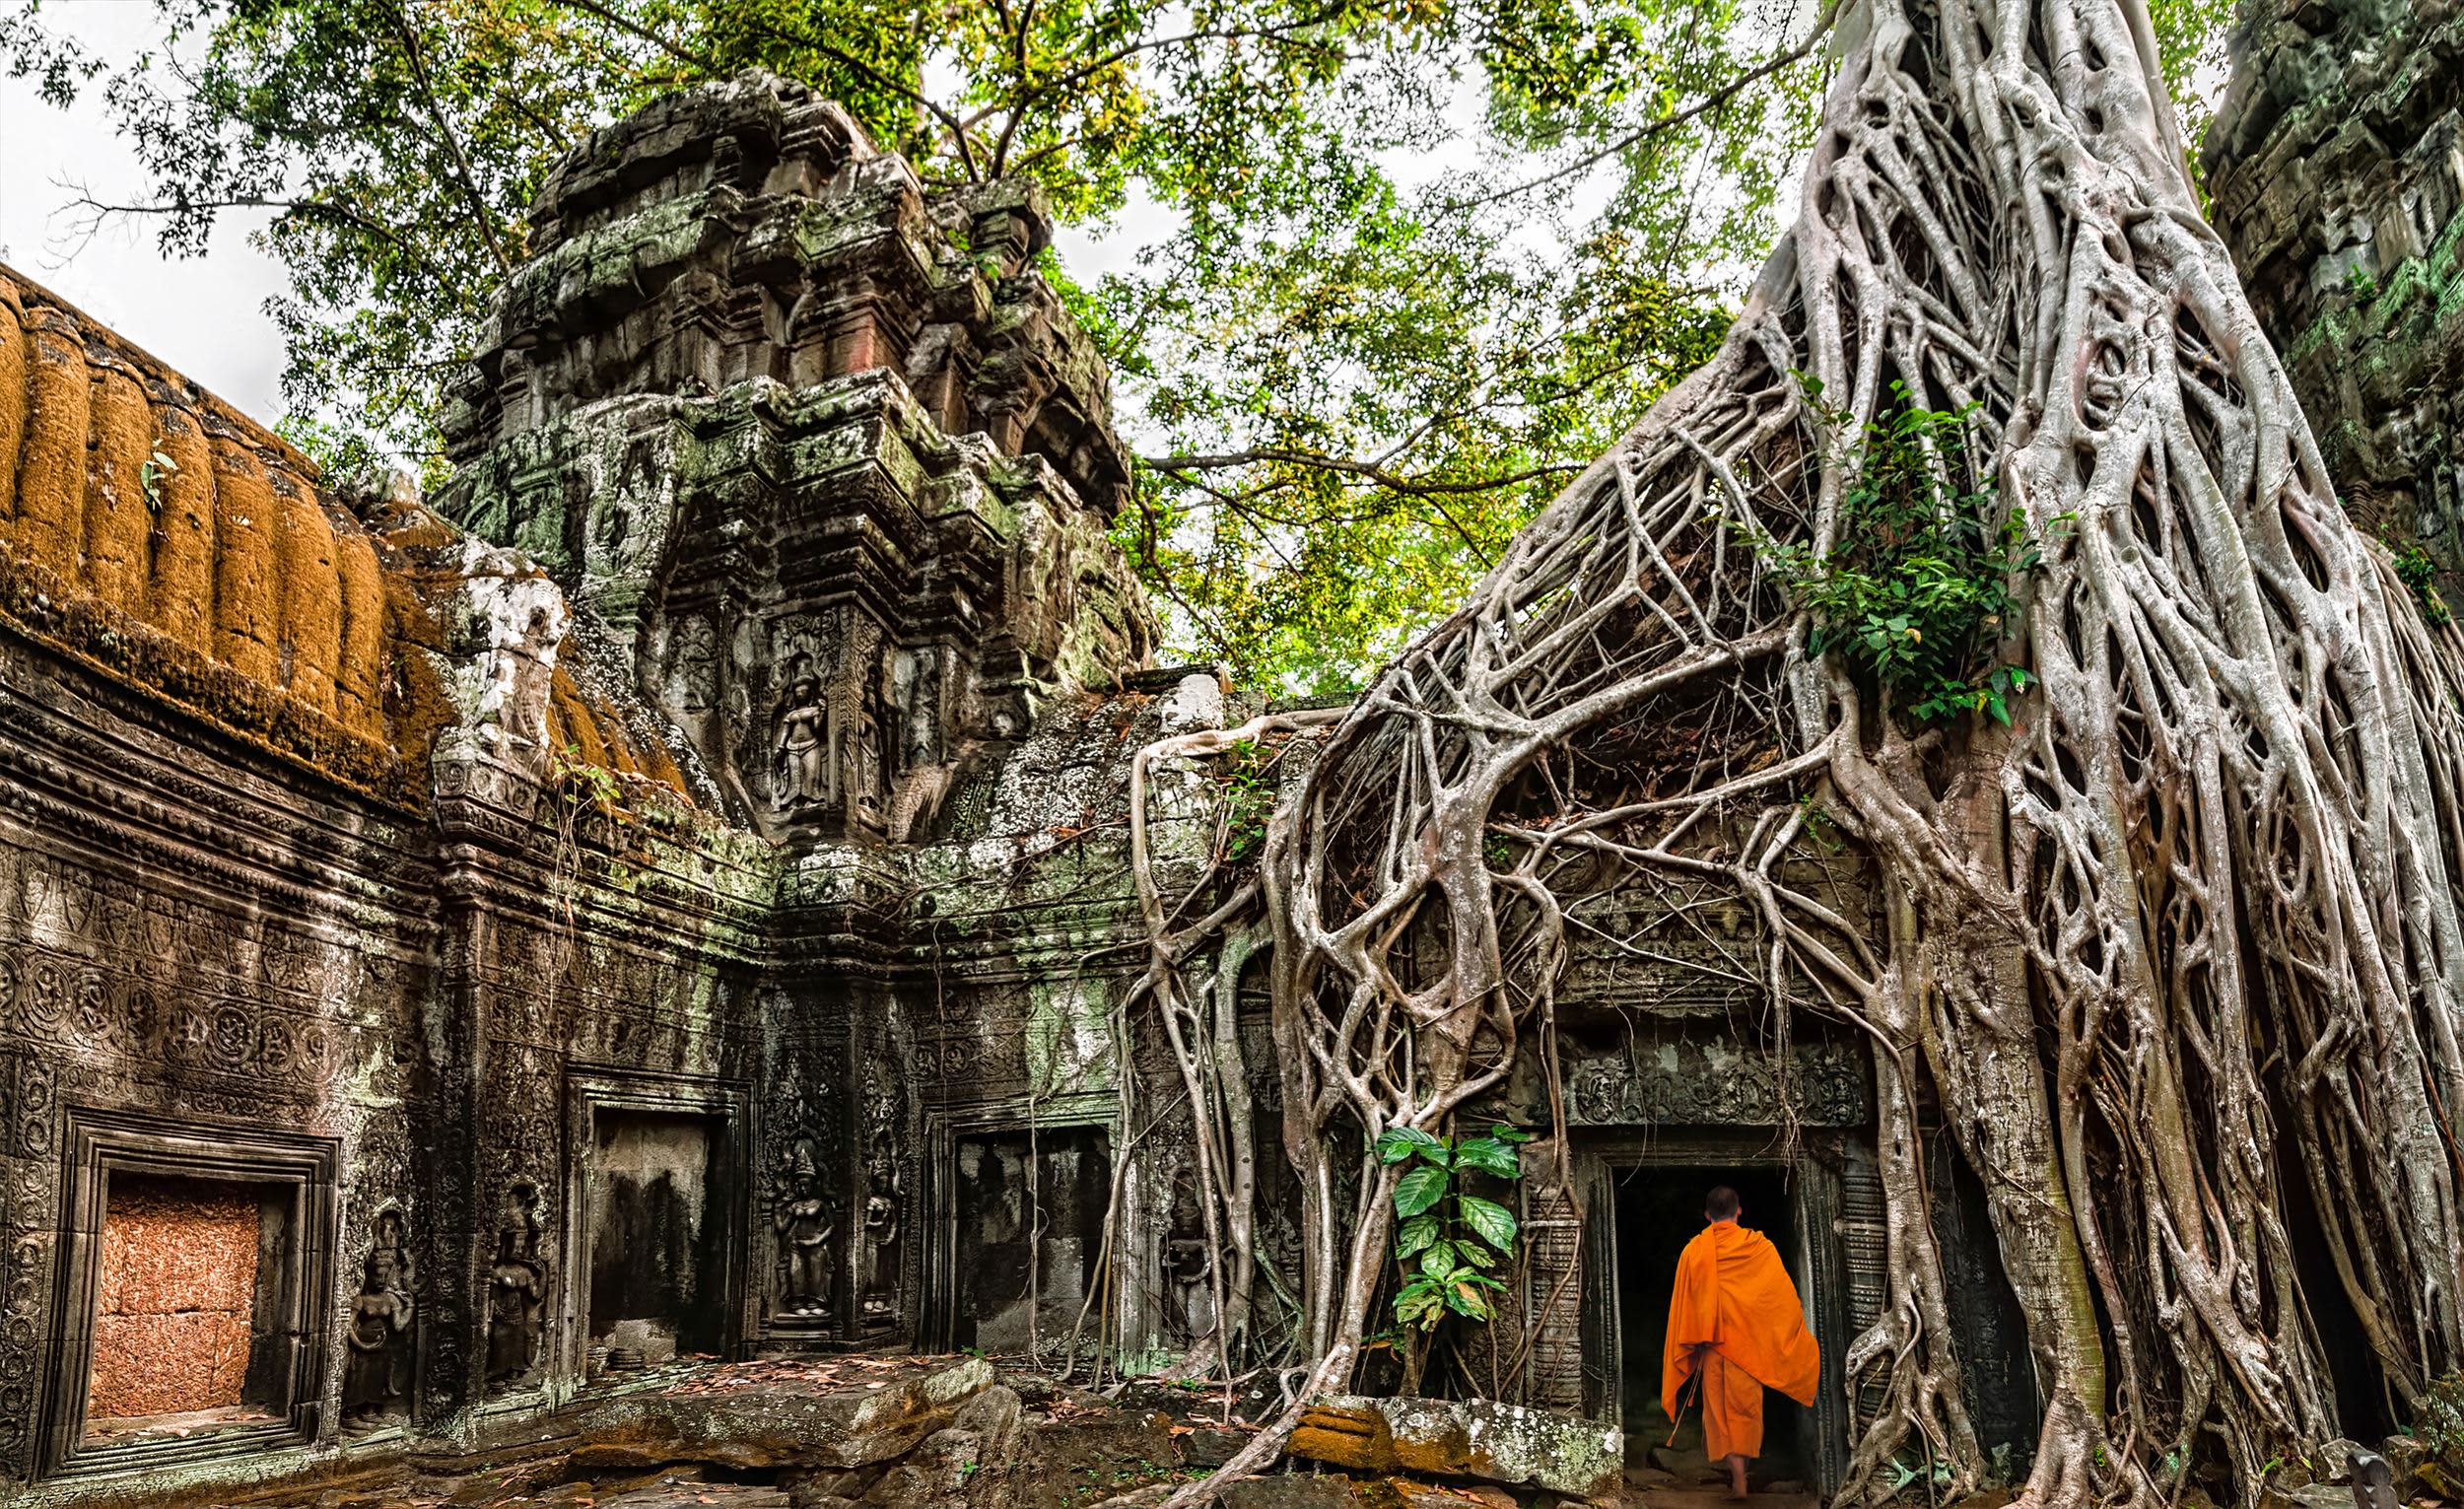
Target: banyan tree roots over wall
[[2177, 950]]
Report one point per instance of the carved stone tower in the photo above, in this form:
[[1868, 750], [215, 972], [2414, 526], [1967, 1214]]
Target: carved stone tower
[[819, 457]]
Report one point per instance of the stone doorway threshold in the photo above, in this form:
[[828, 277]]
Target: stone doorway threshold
[[128, 1430]]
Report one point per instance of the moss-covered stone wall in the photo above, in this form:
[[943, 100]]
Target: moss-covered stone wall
[[2337, 168]]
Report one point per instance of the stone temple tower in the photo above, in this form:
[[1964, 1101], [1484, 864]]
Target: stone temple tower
[[820, 459]]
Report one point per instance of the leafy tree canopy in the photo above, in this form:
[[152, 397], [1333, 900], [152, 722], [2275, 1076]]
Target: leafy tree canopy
[[1427, 258]]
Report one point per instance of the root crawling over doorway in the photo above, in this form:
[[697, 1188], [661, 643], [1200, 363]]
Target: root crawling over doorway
[[2185, 927]]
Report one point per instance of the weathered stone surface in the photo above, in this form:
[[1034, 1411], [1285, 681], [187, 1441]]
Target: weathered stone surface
[[1463, 1438], [2336, 164], [1290, 1491], [1066, 1462], [1207, 1448], [2405, 1455], [772, 1428]]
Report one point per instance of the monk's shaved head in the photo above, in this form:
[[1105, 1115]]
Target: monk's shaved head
[[1720, 1205]]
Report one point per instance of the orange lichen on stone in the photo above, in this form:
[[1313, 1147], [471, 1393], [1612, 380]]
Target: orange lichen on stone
[[118, 516], [231, 586], [178, 1290], [52, 467], [359, 674], [311, 593], [247, 578], [12, 397], [573, 733], [179, 595], [584, 729]]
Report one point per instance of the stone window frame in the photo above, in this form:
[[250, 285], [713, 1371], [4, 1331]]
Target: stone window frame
[[103, 1141], [592, 1090]]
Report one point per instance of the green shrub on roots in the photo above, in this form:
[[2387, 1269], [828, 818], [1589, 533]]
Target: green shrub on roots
[[1919, 589]]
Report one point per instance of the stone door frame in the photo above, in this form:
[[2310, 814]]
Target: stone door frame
[[729, 1105], [100, 1142], [1601, 1154], [943, 1130]]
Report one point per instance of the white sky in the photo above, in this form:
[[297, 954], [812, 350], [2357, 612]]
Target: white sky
[[204, 315]]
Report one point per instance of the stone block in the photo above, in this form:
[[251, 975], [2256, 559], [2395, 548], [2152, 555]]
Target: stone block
[[1485, 1439], [771, 1428], [1289, 1491]]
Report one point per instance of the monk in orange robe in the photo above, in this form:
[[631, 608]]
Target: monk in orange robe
[[1734, 1326]]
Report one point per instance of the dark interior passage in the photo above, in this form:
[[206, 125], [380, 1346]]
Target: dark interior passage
[[1030, 1222], [1660, 1210], [657, 1267]]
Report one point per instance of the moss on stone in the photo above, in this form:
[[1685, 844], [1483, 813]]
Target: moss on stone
[[247, 584], [119, 519], [37, 603], [52, 469], [310, 633], [359, 673], [179, 591], [13, 363]]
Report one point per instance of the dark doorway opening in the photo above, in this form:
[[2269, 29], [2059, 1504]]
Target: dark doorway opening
[[659, 1273], [1030, 1210], [1658, 1210]]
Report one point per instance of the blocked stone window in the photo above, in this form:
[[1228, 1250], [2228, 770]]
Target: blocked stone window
[[175, 1316], [198, 1267]]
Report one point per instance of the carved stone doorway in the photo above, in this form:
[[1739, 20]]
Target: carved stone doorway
[[1641, 1195], [1659, 1210], [661, 1222], [198, 1274], [1029, 1227]]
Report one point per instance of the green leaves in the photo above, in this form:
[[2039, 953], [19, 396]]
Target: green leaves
[[1400, 1142], [2418, 570], [1490, 1221], [1445, 1236], [1420, 1189], [1921, 587], [1489, 1155]]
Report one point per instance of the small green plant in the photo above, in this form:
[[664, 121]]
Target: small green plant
[[150, 476], [2418, 570], [2360, 285], [581, 784], [1917, 589], [1820, 826], [1248, 803], [1449, 1237]]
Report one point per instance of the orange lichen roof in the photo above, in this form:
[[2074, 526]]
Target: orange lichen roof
[[160, 535], [595, 734]]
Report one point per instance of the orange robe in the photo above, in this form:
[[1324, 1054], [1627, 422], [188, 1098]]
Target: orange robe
[[1735, 1319]]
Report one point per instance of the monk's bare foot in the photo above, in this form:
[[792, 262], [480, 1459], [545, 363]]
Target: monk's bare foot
[[1736, 1478]]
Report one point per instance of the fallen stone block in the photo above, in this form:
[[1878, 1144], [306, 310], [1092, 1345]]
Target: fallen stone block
[[1289, 1491], [775, 1427], [1510, 1444]]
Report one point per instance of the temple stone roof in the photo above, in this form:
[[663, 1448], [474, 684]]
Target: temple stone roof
[[171, 542]]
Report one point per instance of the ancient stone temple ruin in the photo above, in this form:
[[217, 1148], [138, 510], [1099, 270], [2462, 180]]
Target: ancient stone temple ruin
[[664, 897], [2337, 165]]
